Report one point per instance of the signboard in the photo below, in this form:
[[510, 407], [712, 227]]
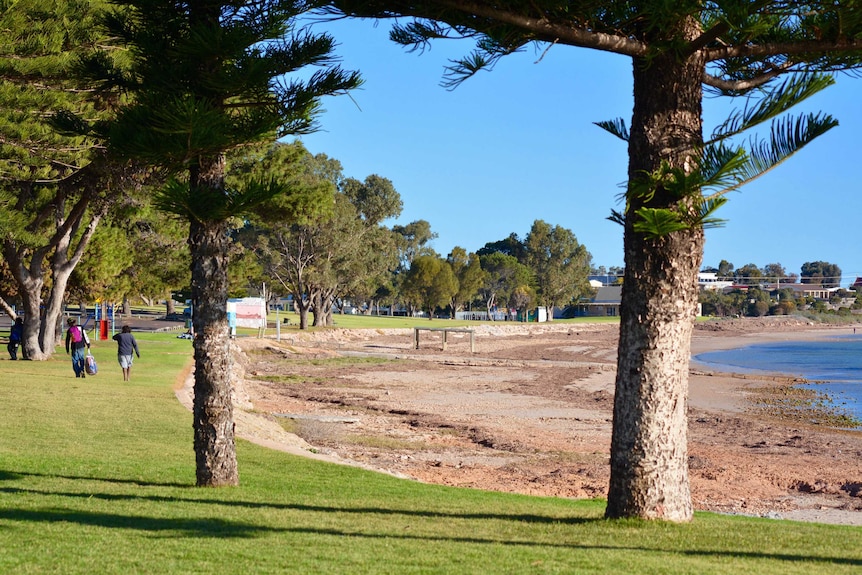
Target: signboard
[[246, 312]]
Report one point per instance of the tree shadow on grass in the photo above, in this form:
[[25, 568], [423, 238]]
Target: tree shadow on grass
[[205, 527], [13, 475], [718, 554], [252, 505], [197, 527], [214, 527]]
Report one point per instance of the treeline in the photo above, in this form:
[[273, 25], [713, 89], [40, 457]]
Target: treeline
[[821, 273], [345, 254], [759, 291], [756, 302], [338, 251]]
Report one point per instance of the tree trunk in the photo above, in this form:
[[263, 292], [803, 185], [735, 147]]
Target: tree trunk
[[215, 446], [649, 457], [31, 298], [303, 317], [316, 308]]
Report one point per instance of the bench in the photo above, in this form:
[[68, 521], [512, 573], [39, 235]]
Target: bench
[[446, 331]]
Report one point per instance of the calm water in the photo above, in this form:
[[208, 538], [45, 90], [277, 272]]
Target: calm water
[[836, 361]]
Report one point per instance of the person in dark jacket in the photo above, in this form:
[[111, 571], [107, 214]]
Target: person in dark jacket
[[77, 341], [16, 335], [126, 344]]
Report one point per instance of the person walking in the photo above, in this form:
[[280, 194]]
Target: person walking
[[16, 336], [77, 337], [126, 344]]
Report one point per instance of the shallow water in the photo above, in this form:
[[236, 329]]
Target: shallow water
[[836, 362]]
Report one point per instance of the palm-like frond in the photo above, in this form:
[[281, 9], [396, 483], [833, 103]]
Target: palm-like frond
[[460, 70], [721, 167], [617, 127], [787, 137], [206, 204], [417, 35], [658, 222], [791, 92]]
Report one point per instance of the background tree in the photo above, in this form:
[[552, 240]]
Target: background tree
[[470, 275], [823, 273], [286, 229], [559, 262], [207, 77], [758, 302], [725, 269], [413, 240], [776, 273], [511, 246], [54, 188], [343, 249], [522, 299], [503, 275], [429, 283], [676, 177], [749, 274]]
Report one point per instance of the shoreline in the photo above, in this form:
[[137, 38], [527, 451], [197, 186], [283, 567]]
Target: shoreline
[[509, 418]]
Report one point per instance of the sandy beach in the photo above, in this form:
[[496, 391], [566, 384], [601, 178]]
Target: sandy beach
[[530, 412]]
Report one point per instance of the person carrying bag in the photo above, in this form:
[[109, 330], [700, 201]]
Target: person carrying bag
[[77, 343]]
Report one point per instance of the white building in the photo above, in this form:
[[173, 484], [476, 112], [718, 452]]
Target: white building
[[709, 280]]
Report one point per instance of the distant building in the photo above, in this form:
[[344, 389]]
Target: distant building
[[606, 303], [811, 290], [710, 281], [604, 280]]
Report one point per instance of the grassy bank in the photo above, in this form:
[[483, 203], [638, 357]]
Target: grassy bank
[[96, 476]]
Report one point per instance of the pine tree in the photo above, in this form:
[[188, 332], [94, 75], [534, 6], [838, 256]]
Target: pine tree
[[207, 77]]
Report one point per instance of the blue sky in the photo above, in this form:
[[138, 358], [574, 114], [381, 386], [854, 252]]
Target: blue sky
[[518, 144]]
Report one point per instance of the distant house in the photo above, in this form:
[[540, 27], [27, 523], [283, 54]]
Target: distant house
[[810, 290], [606, 303], [710, 281]]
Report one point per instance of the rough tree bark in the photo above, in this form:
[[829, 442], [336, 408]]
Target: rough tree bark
[[214, 440], [649, 458]]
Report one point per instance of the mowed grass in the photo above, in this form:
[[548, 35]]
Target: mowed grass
[[97, 476]]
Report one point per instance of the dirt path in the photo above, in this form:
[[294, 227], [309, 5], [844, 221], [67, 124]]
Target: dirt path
[[530, 413]]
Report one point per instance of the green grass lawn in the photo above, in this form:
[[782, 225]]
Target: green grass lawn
[[97, 476]]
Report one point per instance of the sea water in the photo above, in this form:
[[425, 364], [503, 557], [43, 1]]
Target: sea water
[[834, 363]]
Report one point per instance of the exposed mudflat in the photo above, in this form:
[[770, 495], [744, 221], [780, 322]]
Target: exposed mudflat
[[530, 412]]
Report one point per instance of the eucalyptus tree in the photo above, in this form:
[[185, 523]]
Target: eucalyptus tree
[[207, 77], [504, 274], [365, 251], [470, 275], [429, 283], [822, 273], [776, 272], [511, 246], [677, 178], [749, 274], [54, 188], [413, 239], [560, 263], [335, 245]]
